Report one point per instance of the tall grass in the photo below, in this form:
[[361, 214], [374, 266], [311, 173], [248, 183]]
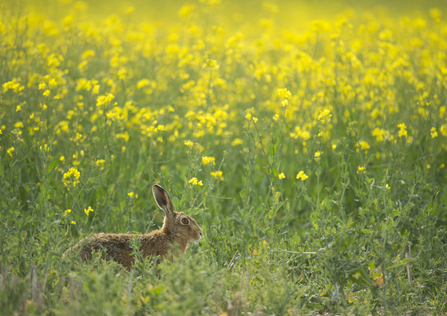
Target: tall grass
[[314, 161]]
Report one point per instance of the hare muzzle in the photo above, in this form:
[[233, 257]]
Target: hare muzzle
[[198, 234]]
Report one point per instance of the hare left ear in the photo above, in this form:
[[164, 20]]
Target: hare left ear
[[163, 200]]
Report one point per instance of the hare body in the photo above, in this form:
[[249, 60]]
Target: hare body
[[178, 229]]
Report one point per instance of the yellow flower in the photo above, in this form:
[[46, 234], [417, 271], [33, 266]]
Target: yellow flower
[[104, 99], [73, 222], [360, 169], [194, 181], [218, 174], [12, 85], [403, 130], [443, 130], [433, 132], [208, 160], [255, 119], [18, 125], [248, 116], [95, 89], [67, 212], [18, 108], [364, 145], [301, 175], [189, 143], [143, 83], [46, 93], [130, 194], [87, 211], [211, 63], [281, 176], [284, 93], [387, 186], [52, 83], [276, 117], [62, 158], [324, 115], [237, 141], [71, 177], [317, 155], [100, 163], [10, 151]]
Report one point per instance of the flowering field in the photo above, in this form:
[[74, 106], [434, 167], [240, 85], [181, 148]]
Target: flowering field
[[313, 158]]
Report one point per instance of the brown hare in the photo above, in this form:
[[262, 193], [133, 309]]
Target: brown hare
[[178, 228]]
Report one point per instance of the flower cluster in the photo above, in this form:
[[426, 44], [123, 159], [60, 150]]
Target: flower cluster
[[71, 178], [133, 90]]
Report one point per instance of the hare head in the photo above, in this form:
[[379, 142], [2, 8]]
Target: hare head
[[178, 224]]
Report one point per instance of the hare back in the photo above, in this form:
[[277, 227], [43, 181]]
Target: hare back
[[117, 247]]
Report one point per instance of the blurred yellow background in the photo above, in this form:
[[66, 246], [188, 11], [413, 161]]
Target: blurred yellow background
[[237, 13]]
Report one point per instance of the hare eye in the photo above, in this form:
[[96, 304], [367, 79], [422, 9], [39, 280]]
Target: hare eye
[[185, 221]]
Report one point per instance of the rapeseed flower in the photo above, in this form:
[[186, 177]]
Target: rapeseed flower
[[433, 132], [194, 181], [218, 175], [104, 99], [324, 116], [402, 130], [208, 160], [10, 151], [100, 163], [71, 177], [88, 210], [301, 175], [237, 141], [189, 143]]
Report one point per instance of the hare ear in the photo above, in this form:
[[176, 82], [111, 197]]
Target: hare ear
[[162, 199]]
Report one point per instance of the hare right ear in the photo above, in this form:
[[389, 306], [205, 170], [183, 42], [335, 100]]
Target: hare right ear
[[163, 200]]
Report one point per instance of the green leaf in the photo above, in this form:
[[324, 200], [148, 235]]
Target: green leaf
[[275, 171], [53, 165], [400, 264]]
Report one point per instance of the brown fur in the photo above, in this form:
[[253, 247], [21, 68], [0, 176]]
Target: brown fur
[[157, 243]]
